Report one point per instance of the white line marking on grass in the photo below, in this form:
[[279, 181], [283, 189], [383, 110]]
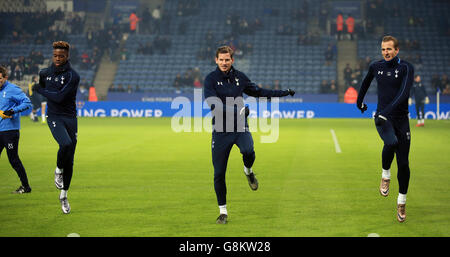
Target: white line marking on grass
[[336, 143]]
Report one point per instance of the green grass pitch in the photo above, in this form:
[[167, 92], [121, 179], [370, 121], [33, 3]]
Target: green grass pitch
[[135, 177]]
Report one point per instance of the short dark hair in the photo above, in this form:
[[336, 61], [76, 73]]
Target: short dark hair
[[391, 38], [224, 50], [61, 45], [4, 71]]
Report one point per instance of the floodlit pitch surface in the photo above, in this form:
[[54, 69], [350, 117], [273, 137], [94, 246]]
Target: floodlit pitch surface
[[136, 177]]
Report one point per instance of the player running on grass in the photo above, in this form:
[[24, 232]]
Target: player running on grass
[[12, 101], [227, 82], [59, 84], [394, 78]]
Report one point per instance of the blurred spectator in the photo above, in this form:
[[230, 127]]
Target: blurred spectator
[[276, 85], [350, 22], [446, 90], [156, 15], [74, 55], [187, 80], [17, 73], [40, 38], [350, 95], [324, 87], [134, 19], [444, 81], [333, 86], [328, 55], [328, 88], [124, 54], [197, 83], [82, 94], [85, 61], [177, 83], [367, 62], [339, 26], [348, 75], [146, 49], [285, 30], [323, 16]]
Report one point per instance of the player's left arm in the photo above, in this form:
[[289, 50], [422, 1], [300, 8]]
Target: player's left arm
[[22, 102], [403, 93], [252, 89]]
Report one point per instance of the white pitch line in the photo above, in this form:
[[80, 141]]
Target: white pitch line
[[336, 143]]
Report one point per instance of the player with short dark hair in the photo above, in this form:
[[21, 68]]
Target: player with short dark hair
[[394, 78], [12, 101], [59, 84], [227, 82], [420, 95]]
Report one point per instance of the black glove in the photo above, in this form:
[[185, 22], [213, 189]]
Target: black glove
[[380, 119], [362, 107], [291, 92], [9, 112]]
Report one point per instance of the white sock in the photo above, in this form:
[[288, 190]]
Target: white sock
[[386, 174], [58, 170], [422, 121], [63, 194], [247, 171], [401, 199], [223, 209]]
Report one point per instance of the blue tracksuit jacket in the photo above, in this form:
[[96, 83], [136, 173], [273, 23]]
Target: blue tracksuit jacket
[[12, 97]]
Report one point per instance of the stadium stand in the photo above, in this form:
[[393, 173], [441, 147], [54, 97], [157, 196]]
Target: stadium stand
[[290, 41], [265, 52], [422, 28]]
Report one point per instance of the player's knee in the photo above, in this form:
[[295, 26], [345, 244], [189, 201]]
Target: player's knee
[[15, 161], [248, 152], [403, 165], [391, 142], [219, 177], [66, 146]]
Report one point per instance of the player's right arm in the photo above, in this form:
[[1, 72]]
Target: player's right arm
[[363, 90]]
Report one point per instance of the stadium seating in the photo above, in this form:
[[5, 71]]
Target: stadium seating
[[274, 57], [434, 46]]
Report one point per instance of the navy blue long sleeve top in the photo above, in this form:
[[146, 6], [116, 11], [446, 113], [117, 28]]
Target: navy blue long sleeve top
[[59, 85], [418, 92], [232, 85], [394, 79]]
